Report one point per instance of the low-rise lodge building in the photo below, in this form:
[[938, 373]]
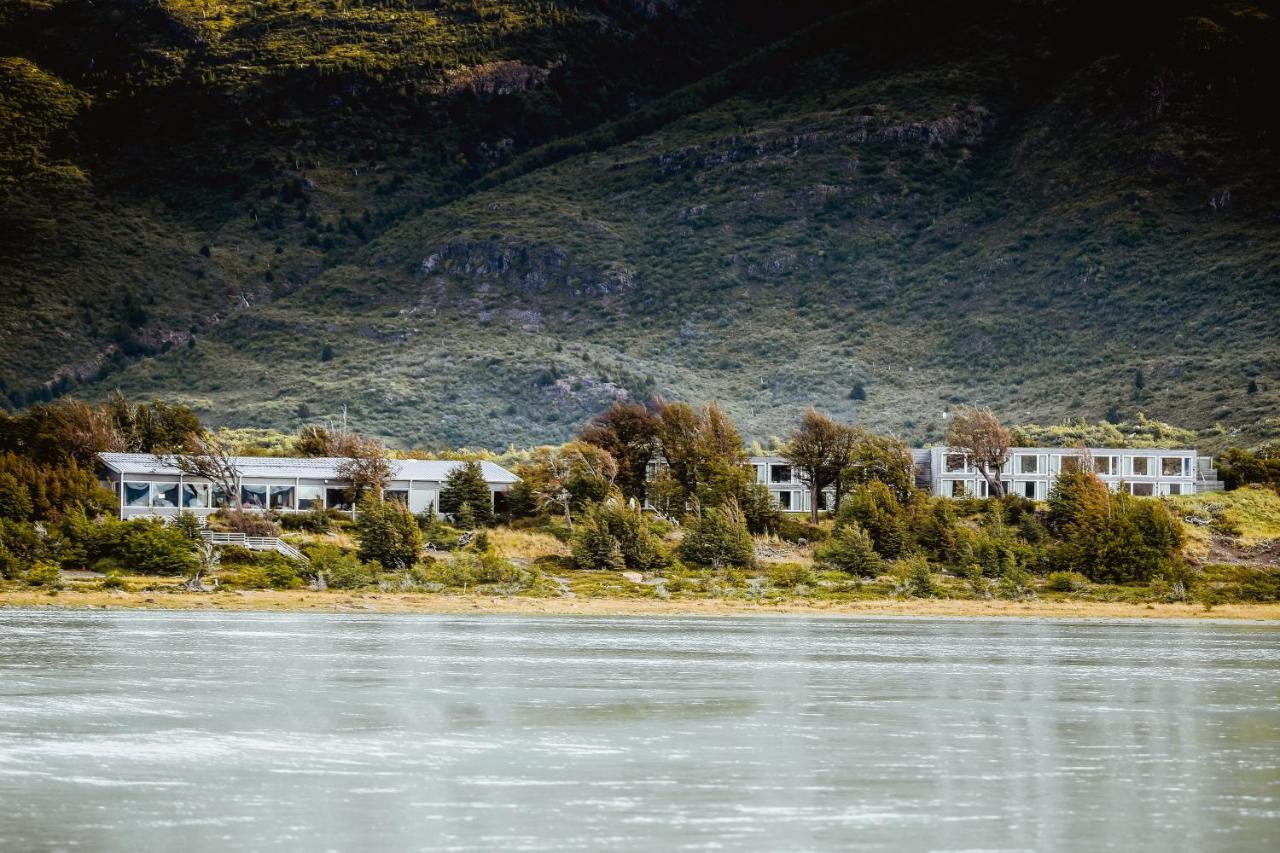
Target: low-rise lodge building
[[148, 485], [1031, 471]]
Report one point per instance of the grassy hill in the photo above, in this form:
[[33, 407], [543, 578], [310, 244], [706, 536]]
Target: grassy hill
[[480, 222]]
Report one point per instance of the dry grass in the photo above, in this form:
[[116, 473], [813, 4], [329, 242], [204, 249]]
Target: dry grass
[[338, 602], [526, 544], [1254, 509]]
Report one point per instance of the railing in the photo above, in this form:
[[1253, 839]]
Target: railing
[[255, 543]]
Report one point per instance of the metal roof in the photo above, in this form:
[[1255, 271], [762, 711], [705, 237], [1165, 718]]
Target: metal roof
[[322, 468]]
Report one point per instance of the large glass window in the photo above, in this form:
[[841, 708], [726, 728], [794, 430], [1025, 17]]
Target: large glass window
[[164, 494], [1143, 490], [282, 497], [1028, 463], [781, 474], [221, 499], [784, 501], [400, 496], [137, 494], [253, 497], [310, 497], [1072, 464], [1105, 465], [1141, 467], [1170, 466], [337, 499], [955, 462], [954, 488], [1027, 490], [195, 495]]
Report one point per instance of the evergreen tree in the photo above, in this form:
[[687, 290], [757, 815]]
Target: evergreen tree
[[466, 485], [387, 534]]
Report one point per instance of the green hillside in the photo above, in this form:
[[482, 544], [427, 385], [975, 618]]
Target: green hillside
[[1027, 205]]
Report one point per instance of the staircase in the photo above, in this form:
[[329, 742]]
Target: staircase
[[1207, 479], [254, 543]]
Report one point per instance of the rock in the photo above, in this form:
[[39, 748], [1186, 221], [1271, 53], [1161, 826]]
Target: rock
[[634, 577]]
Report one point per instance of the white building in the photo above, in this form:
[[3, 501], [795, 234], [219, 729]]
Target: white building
[[1031, 471], [149, 485], [785, 487]]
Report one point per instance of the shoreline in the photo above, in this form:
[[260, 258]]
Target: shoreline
[[304, 601]]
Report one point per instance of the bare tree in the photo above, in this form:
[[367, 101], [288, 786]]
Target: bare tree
[[365, 465], [979, 433], [211, 457]]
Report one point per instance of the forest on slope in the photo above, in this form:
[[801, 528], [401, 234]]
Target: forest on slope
[[480, 222]]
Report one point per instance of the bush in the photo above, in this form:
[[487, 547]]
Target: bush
[[1015, 583], [340, 568], [150, 548], [790, 575], [718, 539], [797, 530], [315, 521], [114, 580], [915, 578], [466, 485], [851, 551], [594, 546], [269, 571], [46, 574], [467, 568], [249, 523], [1066, 582], [874, 507], [611, 536], [388, 534]]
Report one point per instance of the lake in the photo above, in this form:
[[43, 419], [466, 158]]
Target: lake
[[217, 731]]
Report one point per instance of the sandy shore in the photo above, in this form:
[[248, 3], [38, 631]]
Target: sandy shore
[[332, 602]]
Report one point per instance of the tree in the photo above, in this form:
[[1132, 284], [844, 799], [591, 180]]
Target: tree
[[629, 433], [211, 457], [984, 439], [366, 466], [705, 462], [466, 485], [818, 451], [851, 551], [387, 534], [881, 458], [571, 476], [718, 538]]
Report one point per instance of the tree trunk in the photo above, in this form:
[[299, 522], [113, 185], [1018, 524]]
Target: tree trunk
[[814, 491]]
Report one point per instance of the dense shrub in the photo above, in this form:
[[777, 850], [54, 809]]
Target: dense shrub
[[790, 575], [717, 538], [44, 573], [468, 568], [1066, 582], [44, 492], [268, 571], [249, 523], [611, 536], [388, 534], [874, 507], [792, 529], [315, 521], [148, 547], [340, 568], [851, 551], [915, 579], [466, 485]]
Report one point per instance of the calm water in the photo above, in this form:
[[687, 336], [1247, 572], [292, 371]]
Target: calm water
[[164, 731]]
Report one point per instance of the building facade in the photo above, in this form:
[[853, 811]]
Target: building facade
[[1031, 471], [148, 485], [788, 492]]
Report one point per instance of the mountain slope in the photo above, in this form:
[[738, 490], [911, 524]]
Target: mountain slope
[[1025, 205]]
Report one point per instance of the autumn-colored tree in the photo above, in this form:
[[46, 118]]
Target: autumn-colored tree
[[818, 451], [629, 433], [979, 433]]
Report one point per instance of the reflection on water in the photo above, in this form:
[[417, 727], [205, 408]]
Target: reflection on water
[[129, 731]]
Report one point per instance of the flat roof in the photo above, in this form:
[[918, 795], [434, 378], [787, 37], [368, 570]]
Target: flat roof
[[317, 468]]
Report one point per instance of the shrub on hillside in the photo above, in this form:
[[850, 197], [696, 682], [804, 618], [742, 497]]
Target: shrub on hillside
[[851, 551], [340, 568], [1066, 582], [718, 538], [388, 534], [315, 521], [790, 575], [612, 536], [249, 523], [46, 574], [151, 548]]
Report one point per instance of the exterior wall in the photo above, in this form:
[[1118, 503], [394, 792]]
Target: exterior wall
[[1031, 471], [169, 495], [786, 489]]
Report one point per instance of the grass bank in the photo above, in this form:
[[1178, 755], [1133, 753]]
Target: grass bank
[[377, 602]]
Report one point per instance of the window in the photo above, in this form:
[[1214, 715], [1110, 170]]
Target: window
[[1072, 464], [164, 495], [953, 489], [1141, 467], [337, 499], [1171, 489], [195, 495], [1105, 465], [310, 498], [1027, 490], [955, 462], [221, 499], [1143, 490], [1170, 466], [400, 496], [825, 500], [759, 469], [282, 497], [1028, 464], [784, 501], [137, 494], [253, 497], [780, 474]]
